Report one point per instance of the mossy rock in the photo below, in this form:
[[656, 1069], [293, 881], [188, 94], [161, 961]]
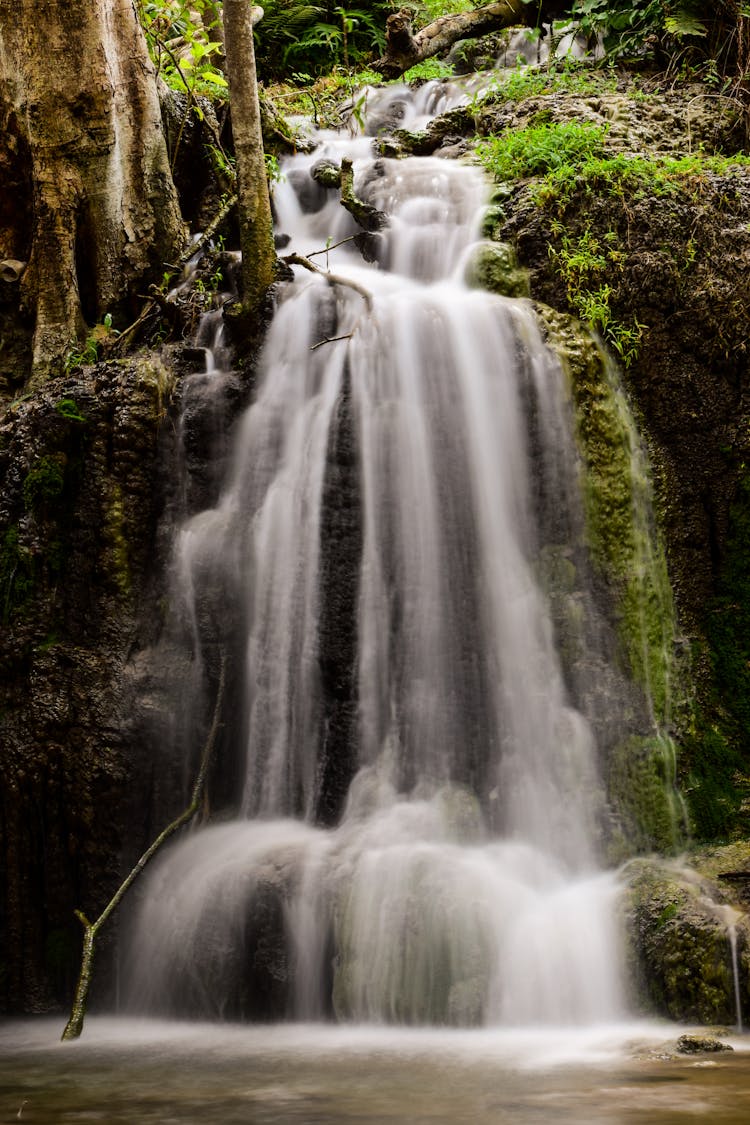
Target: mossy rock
[[493, 266], [641, 789], [678, 945]]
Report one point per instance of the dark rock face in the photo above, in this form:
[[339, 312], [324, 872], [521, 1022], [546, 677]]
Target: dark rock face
[[83, 486]]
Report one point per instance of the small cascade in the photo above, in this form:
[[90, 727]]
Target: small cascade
[[730, 917], [413, 826], [732, 932]]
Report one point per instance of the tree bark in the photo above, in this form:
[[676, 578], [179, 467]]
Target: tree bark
[[254, 204], [403, 49], [78, 89]]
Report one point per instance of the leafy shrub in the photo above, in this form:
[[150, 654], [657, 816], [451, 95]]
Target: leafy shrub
[[317, 37], [539, 149]]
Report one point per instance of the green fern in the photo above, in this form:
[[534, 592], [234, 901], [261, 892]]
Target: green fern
[[682, 23]]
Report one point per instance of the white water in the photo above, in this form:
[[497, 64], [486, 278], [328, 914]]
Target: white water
[[460, 885]]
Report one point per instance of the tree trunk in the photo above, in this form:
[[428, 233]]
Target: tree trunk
[[404, 49], [254, 205], [78, 89]]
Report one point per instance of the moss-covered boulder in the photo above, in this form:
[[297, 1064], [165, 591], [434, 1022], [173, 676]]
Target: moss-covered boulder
[[493, 266], [679, 936]]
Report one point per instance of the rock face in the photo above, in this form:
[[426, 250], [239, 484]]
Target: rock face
[[680, 953], [668, 256], [83, 485]]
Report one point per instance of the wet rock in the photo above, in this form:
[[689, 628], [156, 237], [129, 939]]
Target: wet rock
[[327, 173], [679, 950], [82, 490], [493, 266], [701, 1045], [311, 195]]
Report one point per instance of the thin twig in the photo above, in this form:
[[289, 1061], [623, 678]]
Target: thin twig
[[330, 340], [209, 232], [327, 249], [74, 1026], [331, 278]]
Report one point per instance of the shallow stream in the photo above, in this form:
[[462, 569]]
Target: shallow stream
[[148, 1071]]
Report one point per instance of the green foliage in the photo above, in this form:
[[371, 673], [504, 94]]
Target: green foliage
[[539, 149], [718, 785], [181, 46], [428, 10], [626, 25], [584, 262], [713, 787], [80, 356], [566, 77], [314, 38], [630, 177], [428, 70], [684, 34], [68, 408], [273, 169]]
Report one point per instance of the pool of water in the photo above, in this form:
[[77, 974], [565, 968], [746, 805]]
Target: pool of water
[[149, 1071]]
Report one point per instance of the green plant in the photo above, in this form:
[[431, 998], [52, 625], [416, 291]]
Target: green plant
[[541, 148], [429, 10], [683, 34], [180, 44], [566, 76], [68, 408], [583, 263], [317, 37], [273, 169], [428, 70], [81, 355]]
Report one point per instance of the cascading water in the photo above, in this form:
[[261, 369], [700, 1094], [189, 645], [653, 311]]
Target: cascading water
[[415, 836]]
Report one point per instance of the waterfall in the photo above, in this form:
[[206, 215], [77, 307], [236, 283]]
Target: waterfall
[[415, 830]]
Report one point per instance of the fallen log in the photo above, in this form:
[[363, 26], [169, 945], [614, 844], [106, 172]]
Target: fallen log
[[404, 48]]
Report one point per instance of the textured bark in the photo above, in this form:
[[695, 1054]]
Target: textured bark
[[256, 224], [403, 49], [78, 89]]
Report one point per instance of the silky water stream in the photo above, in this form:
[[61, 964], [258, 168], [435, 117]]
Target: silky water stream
[[385, 497], [405, 880]]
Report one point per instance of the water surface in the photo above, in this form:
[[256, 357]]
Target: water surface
[[149, 1071]]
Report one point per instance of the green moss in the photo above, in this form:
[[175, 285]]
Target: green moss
[[714, 786], [114, 532], [678, 946], [622, 538], [17, 575], [641, 785], [493, 266], [718, 748], [625, 176], [44, 482], [670, 911], [68, 408]]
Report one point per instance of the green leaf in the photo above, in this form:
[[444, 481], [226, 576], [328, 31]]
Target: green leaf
[[214, 77], [684, 24]]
